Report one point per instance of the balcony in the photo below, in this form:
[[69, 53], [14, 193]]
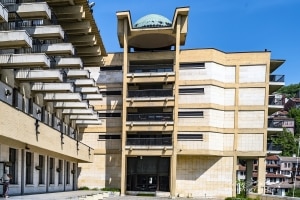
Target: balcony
[[3, 14], [24, 60], [273, 149], [275, 104], [15, 39], [45, 32], [88, 122], [151, 93], [92, 96], [83, 117], [36, 10], [163, 141], [83, 40], [64, 105], [78, 112], [88, 90], [83, 27], [39, 76], [275, 125], [275, 82], [88, 51], [67, 13], [151, 117], [52, 87], [85, 82], [73, 97], [78, 74], [74, 63], [58, 49]]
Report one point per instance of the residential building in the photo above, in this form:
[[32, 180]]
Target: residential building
[[178, 120], [46, 92]]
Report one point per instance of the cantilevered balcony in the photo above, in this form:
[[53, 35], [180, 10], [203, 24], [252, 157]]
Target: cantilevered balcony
[[3, 14], [78, 74], [15, 39], [60, 2], [83, 40], [162, 141], [83, 117], [275, 104], [52, 87], [151, 93], [69, 63], [64, 105], [88, 122], [24, 60], [157, 117], [73, 97], [45, 32], [92, 60], [76, 111], [35, 10], [273, 149], [83, 27], [276, 82], [275, 125], [70, 13], [84, 82], [89, 51], [92, 96], [88, 90], [58, 49], [39, 76]]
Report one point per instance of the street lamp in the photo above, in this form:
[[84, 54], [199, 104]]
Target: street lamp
[[297, 161]]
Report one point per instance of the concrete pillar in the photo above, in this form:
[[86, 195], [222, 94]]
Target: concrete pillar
[[261, 178]]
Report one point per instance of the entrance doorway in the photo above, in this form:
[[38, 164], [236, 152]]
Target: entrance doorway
[[148, 173]]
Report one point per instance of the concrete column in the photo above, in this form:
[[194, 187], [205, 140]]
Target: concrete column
[[261, 178], [124, 110]]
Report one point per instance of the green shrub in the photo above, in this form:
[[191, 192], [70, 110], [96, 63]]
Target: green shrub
[[111, 189], [84, 188]]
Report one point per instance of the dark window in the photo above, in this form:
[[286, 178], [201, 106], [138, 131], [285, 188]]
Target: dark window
[[13, 167], [110, 68], [191, 65], [191, 91], [59, 170], [191, 114], [190, 136], [51, 171], [107, 137], [41, 170], [104, 93], [29, 174], [103, 115], [68, 173]]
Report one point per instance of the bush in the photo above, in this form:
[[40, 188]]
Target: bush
[[111, 189], [84, 188]]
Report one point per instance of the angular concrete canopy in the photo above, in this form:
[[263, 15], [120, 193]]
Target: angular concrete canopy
[[152, 31]]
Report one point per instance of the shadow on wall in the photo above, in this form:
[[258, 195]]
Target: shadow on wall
[[193, 167]]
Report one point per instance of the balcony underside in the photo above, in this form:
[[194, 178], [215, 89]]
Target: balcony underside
[[150, 102], [78, 112], [70, 97], [149, 126], [274, 86], [151, 77], [78, 74], [74, 63], [85, 82], [70, 105], [36, 10], [58, 49], [52, 87], [46, 32], [24, 60], [88, 122], [88, 90], [83, 117], [70, 13], [3, 14]]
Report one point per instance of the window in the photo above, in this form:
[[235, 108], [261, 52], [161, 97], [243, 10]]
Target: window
[[51, 171], [190, 136], [191, 91], [13, 167], [59, 170], [200, 65], [190, 114], [41, 169], [29, 170], [111, 68], [104, 115], [108, 137], [68, 173], [105, 93]]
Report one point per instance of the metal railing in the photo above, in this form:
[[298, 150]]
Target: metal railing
[[275, 101], [166, 141], [273, 147], [276, 78], [150, 93], [150, 68], [150, 117], [275, 123]]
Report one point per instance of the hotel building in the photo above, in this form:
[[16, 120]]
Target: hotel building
[[153, 118]]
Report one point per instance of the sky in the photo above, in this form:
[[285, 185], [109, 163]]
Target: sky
[[227, 25]]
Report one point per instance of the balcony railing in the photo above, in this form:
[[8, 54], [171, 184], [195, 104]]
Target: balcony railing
[[166, 141], [276, 78], [273, 147], [150, 117], [275, 101], [150, 68], [275, 123], [150, 93]]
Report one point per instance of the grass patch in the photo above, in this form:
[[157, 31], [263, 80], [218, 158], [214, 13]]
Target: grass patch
[[84, 188], [111, 189]]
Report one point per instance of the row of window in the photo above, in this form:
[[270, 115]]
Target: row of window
[[62, 171], [180, 114], [195, 65], [179, 137]]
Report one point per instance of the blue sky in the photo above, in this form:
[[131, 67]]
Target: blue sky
[[230, 26]]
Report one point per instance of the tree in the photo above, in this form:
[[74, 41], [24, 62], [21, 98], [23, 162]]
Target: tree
[[295, 113], [287, 143], [290, 90]]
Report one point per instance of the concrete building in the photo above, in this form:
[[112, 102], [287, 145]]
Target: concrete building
[[157, 118], [179, 120], [46, 92]]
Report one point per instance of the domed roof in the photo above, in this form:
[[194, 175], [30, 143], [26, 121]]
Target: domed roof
[[152, 21]]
